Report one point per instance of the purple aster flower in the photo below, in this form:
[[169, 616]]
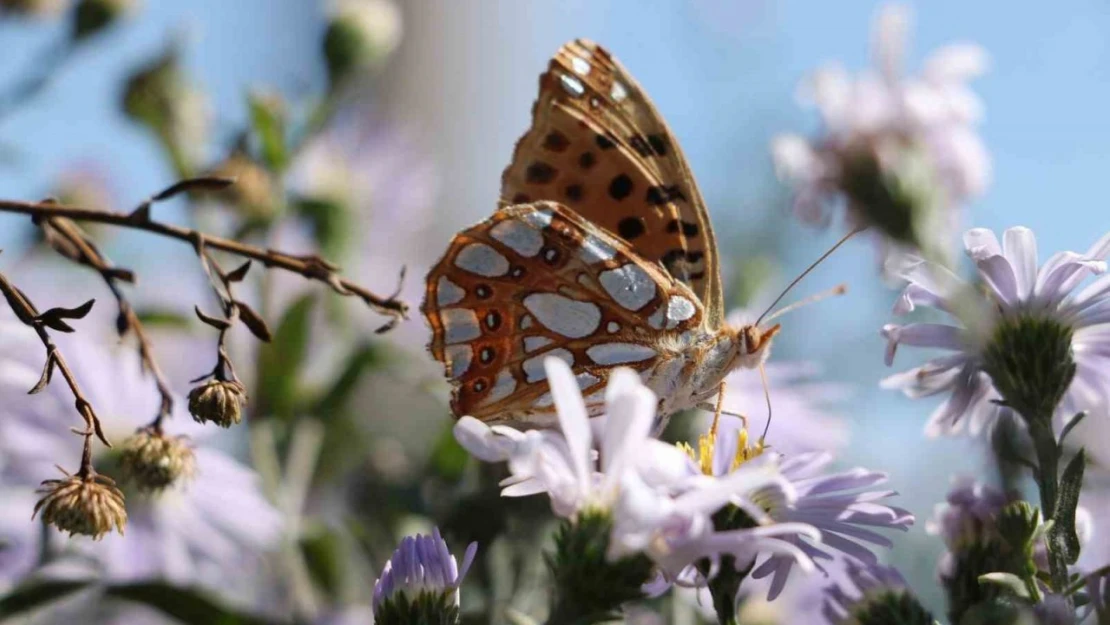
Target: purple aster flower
[[421, 570], [901, 153], [1023, 302], [212, 530], [843, 508]]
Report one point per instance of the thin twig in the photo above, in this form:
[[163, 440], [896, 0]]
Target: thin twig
[[26, 312], [312, 266], [67, 238]]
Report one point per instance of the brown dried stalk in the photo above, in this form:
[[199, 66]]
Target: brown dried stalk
[[312, 266], [55, 318], [67, 238]]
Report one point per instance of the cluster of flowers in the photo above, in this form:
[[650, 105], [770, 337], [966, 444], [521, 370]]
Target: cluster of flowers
[[656, 514]]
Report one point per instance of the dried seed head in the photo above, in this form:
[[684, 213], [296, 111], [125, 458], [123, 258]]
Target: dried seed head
[[89, 505], [218, 401], [152, 461]]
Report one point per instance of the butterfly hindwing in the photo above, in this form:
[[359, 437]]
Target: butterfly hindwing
[[538, 280], [598, 145]]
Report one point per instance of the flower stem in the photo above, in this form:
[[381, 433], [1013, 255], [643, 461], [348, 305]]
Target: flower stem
[[724, 588], [1048, 461]]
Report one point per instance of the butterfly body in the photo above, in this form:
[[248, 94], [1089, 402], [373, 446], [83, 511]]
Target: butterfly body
[[601, 255]]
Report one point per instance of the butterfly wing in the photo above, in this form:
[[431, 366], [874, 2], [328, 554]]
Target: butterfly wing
[[538, 280], [598, 145]]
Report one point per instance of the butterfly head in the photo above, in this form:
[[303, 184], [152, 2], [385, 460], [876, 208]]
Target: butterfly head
[[754, 345]]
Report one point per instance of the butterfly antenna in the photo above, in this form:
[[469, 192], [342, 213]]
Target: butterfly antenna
[[839, 289], [767, 398], [813, 266]]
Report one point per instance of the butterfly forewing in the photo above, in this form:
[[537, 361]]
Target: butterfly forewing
[[538, 280], [598, 145]]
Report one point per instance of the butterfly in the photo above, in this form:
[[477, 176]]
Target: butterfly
[[600, 254]]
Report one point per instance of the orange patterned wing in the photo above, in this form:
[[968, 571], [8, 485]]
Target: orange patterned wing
[[538, 280], [598, 145]]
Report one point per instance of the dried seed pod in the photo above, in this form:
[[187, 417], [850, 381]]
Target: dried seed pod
[[218, 401], [89, 505], [153, 461]]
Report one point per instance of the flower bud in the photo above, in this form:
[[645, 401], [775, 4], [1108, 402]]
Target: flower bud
[[89, 505], [160, 97], [153, 461], [33, 8], [218, 401], [420, 583], [360, 33], [93, 16], [254, 192]]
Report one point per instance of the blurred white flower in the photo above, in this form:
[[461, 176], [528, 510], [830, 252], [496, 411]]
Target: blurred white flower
[[900, 152], [213, 530], [1023, 303], [870, 591]]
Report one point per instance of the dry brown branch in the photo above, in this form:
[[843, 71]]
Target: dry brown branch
[[312, 266]]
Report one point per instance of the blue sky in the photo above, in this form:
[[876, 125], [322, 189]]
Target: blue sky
[[724, 76]]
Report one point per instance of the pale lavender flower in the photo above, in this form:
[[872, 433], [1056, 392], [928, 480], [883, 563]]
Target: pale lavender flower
[[900, 152], [212, 530], [1016, 287], [563, 464], [841, 506], [20, 541], [660, 504], [422, 565]]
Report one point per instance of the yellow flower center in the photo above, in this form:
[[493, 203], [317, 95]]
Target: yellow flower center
[[707, 444]]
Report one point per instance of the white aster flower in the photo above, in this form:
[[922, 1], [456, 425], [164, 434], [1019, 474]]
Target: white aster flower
[[900, 152], [1022, 346]]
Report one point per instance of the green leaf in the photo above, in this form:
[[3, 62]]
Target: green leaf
[[330, 221], [163, 318], [188, 605], [363, 359], [324, 554], [269, 126], [449, 459], [1071, 482], [36, 594], [1009, 581], [280, 361]]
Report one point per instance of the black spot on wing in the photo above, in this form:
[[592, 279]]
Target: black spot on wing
[[620, 187], [540, 173], [631, 228]]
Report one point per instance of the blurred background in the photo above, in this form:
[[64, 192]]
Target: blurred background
[[376, 165]]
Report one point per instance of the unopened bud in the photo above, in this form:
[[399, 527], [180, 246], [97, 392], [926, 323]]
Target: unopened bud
[[360, 33]]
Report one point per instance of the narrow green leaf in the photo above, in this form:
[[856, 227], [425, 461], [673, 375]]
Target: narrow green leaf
[[35, 595], [269, 127], [280, 361], [1071, 482], [330, 221], [154, 317], [324, 555], [363, 359], [449, 459], [188, 605]]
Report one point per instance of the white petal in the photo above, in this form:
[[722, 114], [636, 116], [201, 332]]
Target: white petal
[[957, 62], [981, 243], [481, 441], [1019, 245], [630, 411], [573, 419], [922, 335], [889, 39], [997, 272], [794, 158]]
